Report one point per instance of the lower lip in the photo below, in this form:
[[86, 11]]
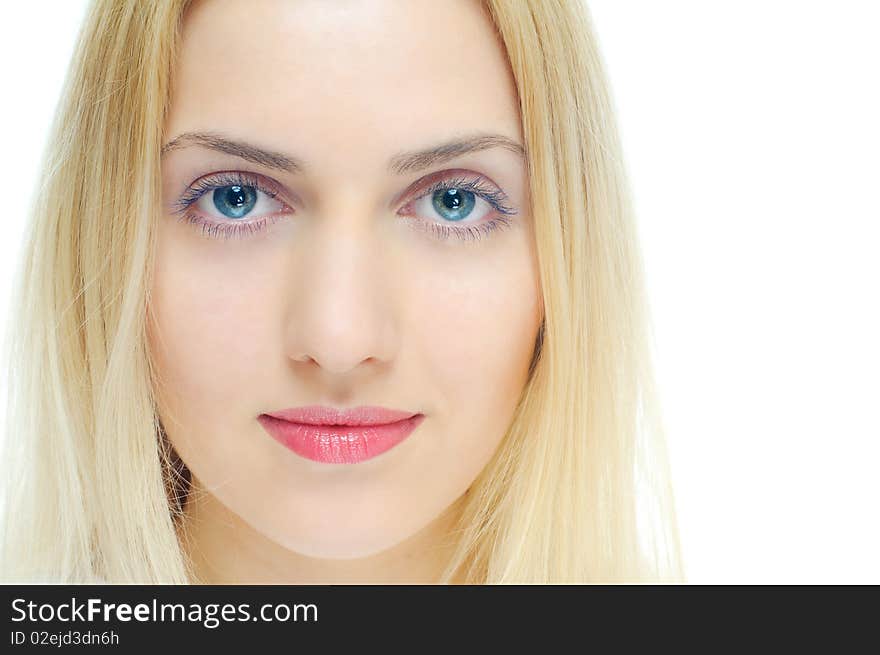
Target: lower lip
[[339, 444]]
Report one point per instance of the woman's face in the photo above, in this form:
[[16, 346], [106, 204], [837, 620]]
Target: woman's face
[[303, 259]]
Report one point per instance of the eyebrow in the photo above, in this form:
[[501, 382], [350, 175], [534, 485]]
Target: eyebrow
[[399, 164]]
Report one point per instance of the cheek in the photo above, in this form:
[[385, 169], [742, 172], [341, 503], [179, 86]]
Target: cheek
[[211, 325], [477, 327]]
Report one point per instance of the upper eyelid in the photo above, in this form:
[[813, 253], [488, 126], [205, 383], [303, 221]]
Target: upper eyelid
[[227, 176], [219, 179], [495, 196]]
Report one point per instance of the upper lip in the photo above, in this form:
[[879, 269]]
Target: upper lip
[[322, 415]]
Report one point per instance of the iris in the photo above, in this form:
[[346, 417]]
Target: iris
[[235, 201], [453, 204]]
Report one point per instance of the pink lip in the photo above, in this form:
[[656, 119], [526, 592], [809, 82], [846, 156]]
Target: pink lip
[[339, 436]]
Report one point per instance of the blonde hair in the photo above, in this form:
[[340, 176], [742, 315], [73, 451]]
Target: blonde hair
[[579, 490]]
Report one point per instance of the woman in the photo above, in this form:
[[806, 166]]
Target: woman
[[333, 293]]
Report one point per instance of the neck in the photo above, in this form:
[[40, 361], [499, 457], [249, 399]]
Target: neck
[[223, 549]]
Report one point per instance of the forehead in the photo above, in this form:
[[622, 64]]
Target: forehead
[[342, 81]]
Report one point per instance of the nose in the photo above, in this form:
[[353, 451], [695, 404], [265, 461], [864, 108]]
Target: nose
[[341, 317]]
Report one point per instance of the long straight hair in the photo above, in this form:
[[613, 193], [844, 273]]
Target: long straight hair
[[579, 489]]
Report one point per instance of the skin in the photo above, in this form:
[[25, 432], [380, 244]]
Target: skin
[[343, 300]]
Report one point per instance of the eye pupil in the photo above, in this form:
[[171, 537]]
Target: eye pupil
[[452, 199], [454, 204], [235, 201], [236, 196]]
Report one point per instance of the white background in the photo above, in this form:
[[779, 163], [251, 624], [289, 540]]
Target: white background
[[751, 135]]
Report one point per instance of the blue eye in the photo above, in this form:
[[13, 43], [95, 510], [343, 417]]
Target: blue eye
[[453, 204], [442, 208], [234, 201], [234, 195]]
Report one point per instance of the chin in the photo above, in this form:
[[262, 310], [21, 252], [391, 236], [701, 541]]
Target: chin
[[341, 544]]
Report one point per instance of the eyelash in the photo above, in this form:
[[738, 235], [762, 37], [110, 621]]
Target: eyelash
[[237, 229]]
